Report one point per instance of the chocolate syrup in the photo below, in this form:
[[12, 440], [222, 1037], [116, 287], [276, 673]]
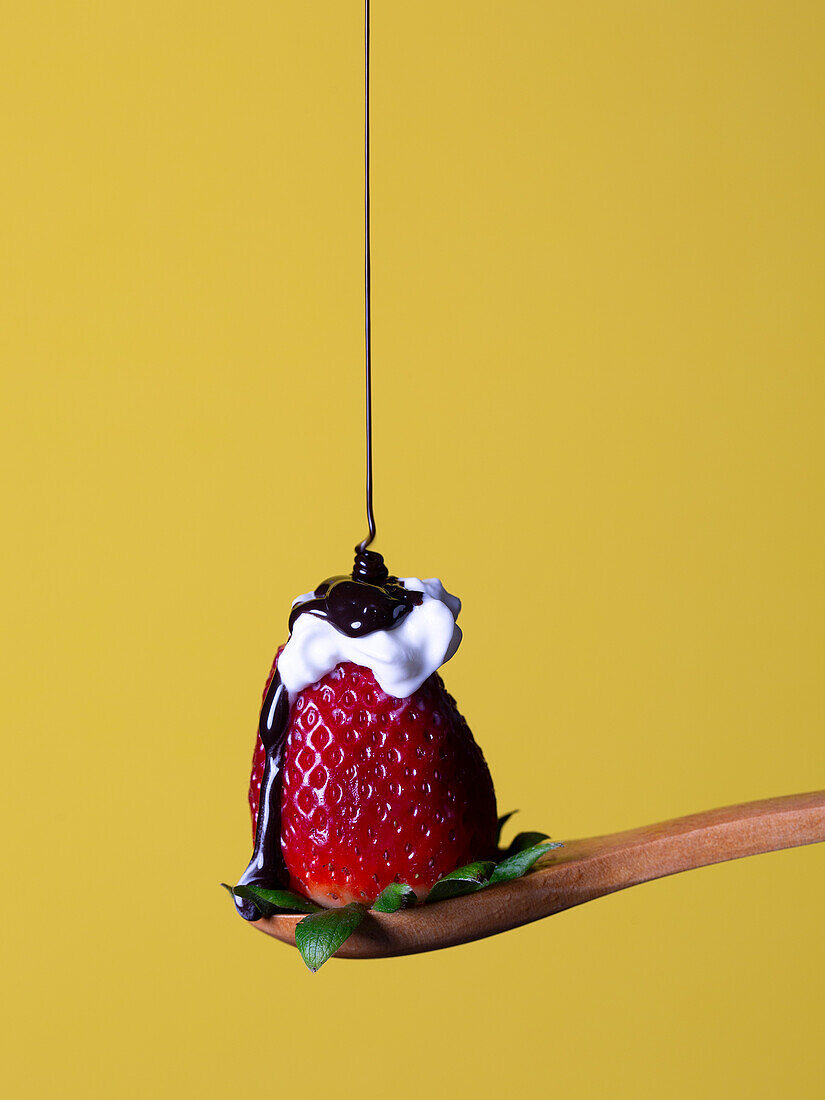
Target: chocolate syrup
[[359, 604], [368, 599], [367, 282], [267, 868]]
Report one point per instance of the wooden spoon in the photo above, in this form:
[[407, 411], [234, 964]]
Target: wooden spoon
[[583, 870]]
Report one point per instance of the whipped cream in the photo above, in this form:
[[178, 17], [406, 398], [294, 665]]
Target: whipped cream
[[400, 658]]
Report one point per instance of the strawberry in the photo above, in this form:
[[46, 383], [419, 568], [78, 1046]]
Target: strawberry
[[377, 789]]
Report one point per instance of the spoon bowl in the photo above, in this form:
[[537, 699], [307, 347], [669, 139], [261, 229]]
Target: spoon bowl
[[582, 870]]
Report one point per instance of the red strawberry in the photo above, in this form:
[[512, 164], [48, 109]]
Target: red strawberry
[[378, 789]]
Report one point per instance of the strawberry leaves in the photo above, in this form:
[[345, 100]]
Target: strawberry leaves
[[398, 895], [525, 840], [524, 850], [269, 902], [464, 880], [520, 862], [319, 936]]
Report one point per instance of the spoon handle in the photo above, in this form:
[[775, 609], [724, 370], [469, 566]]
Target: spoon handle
[[588, 869], [583, 870]]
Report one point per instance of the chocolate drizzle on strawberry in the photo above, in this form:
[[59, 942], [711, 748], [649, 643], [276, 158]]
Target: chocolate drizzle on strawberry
[[367, 600], [358, 604], [267, 868]]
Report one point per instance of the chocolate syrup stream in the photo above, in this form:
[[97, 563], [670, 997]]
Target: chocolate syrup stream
[[367, 278]]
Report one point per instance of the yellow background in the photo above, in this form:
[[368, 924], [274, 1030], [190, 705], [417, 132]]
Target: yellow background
[[599, 399]]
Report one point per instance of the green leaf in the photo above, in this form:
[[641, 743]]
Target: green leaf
[[319, 936], [269, 902], [398, 895], [502, 821], [465, 880], [520, 862], [525, 840]]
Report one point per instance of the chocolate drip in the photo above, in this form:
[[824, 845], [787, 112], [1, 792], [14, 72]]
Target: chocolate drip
[[367, 600], [267, 868]]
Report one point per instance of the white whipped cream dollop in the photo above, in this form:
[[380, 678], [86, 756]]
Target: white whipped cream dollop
[[401, 658]]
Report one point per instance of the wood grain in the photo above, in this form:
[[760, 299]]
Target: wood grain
[[583, 870]]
